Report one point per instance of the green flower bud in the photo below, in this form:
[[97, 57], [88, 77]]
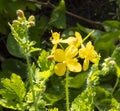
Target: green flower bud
[[31, 18], [16, 22], [20, 13], [31, 23]]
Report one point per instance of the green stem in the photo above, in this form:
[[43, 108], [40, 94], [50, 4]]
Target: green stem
[[67, 90], [117, 81], [30, 74], [88, 35]]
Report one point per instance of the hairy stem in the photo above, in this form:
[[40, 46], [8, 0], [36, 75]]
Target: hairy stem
[[117, 81], [30, 74], [67, 90]]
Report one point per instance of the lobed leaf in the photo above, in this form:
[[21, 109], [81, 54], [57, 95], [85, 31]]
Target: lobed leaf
[[43, 62], [12, 92], [84, 101]]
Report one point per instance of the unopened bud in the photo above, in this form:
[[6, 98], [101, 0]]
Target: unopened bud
[[32, 23], [31, 18], [20, 13], [50, 57], [16, 22]]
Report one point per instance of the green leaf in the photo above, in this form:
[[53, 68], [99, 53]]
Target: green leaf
[[94, 36], [105, 101], [13, 47], [102, 99], [115, 106], [117, 95], [52, 98], [32, 49], [5, 74], [78, 80], [105, 43], [55, 90], [12, 92], [43, 62], [58, 18], [84, 101], [16, 66], [111, 25], [116, 55]]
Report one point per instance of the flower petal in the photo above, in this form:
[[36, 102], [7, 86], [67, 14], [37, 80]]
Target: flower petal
[[79, 39], [71, 51], [55, 39], [73, 65], [53, 49], [59, 55], [94, 60], [92, 54], [85, 64], [82, 53], [69, 40], [60, 69], [55, 35]]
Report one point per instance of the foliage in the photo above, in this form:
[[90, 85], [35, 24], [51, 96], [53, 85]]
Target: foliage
[[78, 71], [13, 92]]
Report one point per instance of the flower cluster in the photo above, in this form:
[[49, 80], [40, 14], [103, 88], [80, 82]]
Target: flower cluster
[[22, 19], [68, 58]]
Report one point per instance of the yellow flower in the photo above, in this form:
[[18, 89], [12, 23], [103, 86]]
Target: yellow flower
[[76, 41], [89, 54], [55, 39], [66, 60]]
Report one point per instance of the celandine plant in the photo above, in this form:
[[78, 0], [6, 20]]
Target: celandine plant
[[27, 95], [71, 67], [67, 58]]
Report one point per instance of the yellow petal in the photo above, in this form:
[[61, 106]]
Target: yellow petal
[[56, 35], [55, 39], [79, 39], [93, 57], [74, 66], [60, 69], [85, 64], [92, 54], [54, 48], [69, 40], [94, 60], [82, 52], [76, 41], [71, 51], [59, 55], [89, 46]]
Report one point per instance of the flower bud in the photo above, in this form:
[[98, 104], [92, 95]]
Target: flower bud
[[32, 23], [31, 18], [16, 22], [50, 57], [20, 13]]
